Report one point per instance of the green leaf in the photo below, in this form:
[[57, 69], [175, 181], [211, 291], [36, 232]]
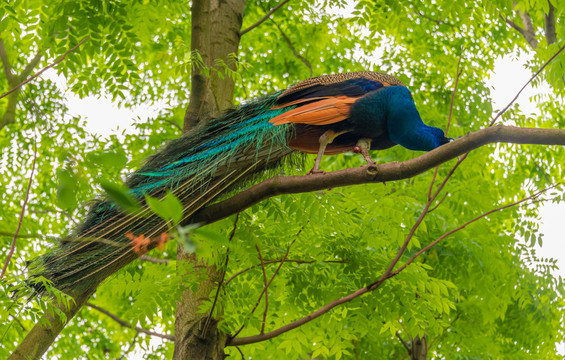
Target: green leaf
[[167, 208], [66, 189], [110, 160], [120, 195]]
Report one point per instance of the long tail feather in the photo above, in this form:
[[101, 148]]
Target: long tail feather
[[197, 168]]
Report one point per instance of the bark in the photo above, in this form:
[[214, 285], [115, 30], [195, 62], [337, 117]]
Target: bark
[[215, 35], [216, 29], [419, 348], [549, 25], [529, 32]]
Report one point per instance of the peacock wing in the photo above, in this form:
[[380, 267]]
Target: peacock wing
[[327, 99], [323, 111], [353, 84]]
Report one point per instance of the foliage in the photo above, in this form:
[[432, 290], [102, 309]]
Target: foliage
[[473, 294]]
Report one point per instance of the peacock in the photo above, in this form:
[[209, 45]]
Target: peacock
[[330, 114]]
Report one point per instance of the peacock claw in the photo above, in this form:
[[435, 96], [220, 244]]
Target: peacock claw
[[362, 147]]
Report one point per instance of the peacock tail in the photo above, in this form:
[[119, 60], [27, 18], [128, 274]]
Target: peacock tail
[[197, 167]]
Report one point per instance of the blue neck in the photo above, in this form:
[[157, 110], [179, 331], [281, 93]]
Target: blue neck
[[405, 126]]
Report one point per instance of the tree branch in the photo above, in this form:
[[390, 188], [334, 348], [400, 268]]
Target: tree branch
[[266, 262], [221, 282], [6, 64], [61, 58], [529, 29], [293, 49], [376, 173], [267, 285], [243, 32], [432, 244], [406, 346], [266, 292], [154, 260], [31, 65], [526, 84], [130, 347], [128, 325], [437, 21], [549, 25], [13, 246], [386, 275]]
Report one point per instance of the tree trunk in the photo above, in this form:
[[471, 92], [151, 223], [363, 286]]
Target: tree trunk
[[215, 35], [419, 348], [40, 337]]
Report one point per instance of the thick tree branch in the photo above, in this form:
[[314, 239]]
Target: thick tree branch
[[377, 173], [31, 65], [529, 29], [242, 32], [128, 325], [42, 335], [549, 25], [6, 64]]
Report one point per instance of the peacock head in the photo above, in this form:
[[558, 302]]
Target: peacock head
[[405, 126], [431, 138]]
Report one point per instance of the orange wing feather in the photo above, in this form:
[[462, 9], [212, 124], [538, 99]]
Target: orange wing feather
[[323, 112]]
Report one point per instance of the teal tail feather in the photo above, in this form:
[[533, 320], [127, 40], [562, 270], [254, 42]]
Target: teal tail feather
[[197, 168]]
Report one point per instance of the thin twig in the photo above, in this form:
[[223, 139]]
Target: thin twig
[[130, 347], [13, 246], [28, 236], [433, 243], [439, 203], [240, 352], [128, 325], [267, 262], [270, 281], [293, 49], [406, 346], [363, 290], [459, 72], [154, 260], [242, 32], [221, 282], [266, 292], [61, 58], [523, 87], [445, 330]]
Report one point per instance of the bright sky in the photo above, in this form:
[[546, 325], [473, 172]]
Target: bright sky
[[509, 76], [104, 118]]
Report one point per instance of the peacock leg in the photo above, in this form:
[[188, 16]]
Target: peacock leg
[[363, 146], [326, 139]]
